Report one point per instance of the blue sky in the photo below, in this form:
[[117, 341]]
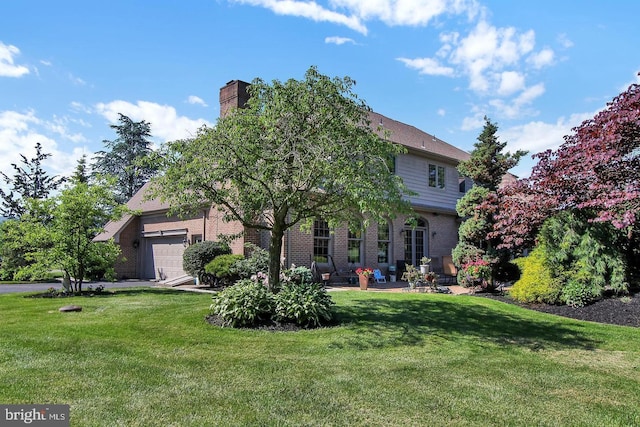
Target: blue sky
[[537, 68]]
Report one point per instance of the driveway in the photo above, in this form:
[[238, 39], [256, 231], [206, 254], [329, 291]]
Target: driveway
[[39, 287]]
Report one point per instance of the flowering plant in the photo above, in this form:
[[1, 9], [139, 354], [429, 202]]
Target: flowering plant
[[364, 271], [478, 269]]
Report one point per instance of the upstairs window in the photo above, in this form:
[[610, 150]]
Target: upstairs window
[[436, 176]]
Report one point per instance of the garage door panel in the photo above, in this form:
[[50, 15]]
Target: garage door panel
[[163, 257]]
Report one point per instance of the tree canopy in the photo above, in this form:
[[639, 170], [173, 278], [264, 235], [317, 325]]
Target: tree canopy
[[30, 181], [125, 157], [301, 149], [595, 173]]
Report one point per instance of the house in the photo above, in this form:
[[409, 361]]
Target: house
[[153, 243]]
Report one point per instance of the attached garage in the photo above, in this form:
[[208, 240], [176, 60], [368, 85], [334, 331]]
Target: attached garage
[[162, 259]]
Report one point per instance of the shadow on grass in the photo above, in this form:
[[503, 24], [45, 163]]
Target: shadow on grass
[[109, 293], [383, 322]]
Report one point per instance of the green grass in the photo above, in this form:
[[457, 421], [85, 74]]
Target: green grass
[[146, 357]]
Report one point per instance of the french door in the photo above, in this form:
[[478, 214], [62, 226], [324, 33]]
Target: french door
[[416, 243]]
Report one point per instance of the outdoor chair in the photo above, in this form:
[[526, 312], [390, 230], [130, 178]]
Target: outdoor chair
[[449, 270], [379, 277]]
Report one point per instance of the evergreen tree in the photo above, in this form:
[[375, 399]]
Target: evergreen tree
[[486, 167], [125, 158], [30, 181]]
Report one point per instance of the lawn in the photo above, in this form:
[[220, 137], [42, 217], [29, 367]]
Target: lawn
[[146, 357]]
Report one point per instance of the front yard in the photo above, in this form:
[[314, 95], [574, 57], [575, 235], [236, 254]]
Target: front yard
[[145, 357]]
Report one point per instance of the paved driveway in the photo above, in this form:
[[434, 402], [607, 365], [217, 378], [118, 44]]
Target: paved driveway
[[39, 287]]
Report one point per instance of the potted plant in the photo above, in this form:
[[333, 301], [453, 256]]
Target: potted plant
[[432, 279], [424, 264], [363, 277], [411, 275]]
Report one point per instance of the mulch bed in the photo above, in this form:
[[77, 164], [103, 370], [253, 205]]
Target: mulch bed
[[624, 311]]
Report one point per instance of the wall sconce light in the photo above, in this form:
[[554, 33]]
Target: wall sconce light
[[185, 242], [433, 234], [135, 244]]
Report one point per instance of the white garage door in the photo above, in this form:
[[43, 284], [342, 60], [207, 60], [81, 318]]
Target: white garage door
[[163, 257]]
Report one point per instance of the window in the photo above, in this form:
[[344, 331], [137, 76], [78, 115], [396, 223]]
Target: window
[[436, 176], [462, 184], [384, 243], [354, 247], [196, 238], [321, 239]]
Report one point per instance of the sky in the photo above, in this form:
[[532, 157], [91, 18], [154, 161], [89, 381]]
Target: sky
[[535, 68]]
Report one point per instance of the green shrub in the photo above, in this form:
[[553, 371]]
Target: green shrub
[[244, 304], [220, 266], [536, 283], [256, 262], [198, 255], [578, 293], [299, 275], [307, 305]]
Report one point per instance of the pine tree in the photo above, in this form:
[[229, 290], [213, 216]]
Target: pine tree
[[125, 158], [486, 167], [30, 181]]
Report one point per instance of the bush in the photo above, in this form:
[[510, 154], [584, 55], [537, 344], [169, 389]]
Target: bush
[[246, 303], [198, 255], [249, 303], [577, 293], [256, 262], [220, 267], [306, 305], [536, 283]]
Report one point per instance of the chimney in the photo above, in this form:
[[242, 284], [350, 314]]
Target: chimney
[[233, 95]]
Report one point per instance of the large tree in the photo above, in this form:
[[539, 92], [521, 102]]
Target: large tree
[[595, 174], [299, 150], [29, 181], [125, 157], [486, 167], [65, 240]]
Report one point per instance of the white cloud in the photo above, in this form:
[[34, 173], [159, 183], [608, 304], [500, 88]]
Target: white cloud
[[442, 112], [408, 12], [427, 66], [7, 66], [310, 10], [517, 107], [19, 133], [541, 59], [339, 40], [166, 125], [488, 49], [196, 100], [538, 136], [510, 82], [353, 13], [564, 41]]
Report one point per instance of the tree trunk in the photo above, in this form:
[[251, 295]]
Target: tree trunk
[[275, 246], [275, 250]]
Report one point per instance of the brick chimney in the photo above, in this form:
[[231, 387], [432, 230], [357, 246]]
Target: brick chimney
[[233, 95]]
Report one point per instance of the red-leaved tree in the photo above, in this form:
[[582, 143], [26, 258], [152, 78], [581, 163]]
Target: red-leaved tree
[[596, 172]]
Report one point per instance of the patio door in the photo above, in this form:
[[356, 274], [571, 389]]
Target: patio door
[[416, 242]]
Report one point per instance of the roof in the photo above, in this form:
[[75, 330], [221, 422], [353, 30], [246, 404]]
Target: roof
[[415, 139], [137, 203]]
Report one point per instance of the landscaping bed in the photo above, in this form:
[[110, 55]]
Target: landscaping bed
[[624, 311]]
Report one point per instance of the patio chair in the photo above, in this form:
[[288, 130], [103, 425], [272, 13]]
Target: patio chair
[[450, 272], [379, 277]]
